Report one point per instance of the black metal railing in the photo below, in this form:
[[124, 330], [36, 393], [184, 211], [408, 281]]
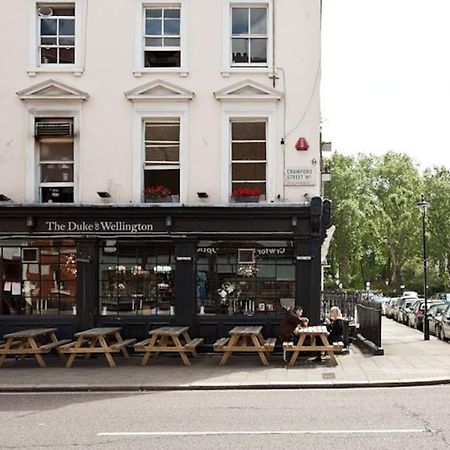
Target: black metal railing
[[362, 314], [345, 301], [369, 320]]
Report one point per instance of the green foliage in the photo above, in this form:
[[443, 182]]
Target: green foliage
[[378, 234]]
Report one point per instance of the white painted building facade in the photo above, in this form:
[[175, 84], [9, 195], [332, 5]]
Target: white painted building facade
[[200, 96]]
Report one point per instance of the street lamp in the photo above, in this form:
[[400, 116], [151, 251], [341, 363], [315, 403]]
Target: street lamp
[[423, 207]]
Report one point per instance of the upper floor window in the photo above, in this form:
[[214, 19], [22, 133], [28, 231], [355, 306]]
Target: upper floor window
[[249, 36], [56, 29], [57, 36], [55, 159], [162, 160], [248, 156], [162, 37]]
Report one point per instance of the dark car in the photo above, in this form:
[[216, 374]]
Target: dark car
[[418, 311], [434, 317]]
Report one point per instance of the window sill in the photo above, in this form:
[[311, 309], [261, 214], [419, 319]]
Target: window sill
[[77, 71], [181, 71], [225, 72]]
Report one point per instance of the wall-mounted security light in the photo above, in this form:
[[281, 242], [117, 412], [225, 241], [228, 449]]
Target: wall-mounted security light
[[168, 221], [31, 222], [294, 221], [202, 195], [4, 198], [104, 194]]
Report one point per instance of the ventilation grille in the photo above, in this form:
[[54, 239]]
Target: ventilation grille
[[44, 129]]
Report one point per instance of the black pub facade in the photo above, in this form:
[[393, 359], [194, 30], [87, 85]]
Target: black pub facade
[[141, 267]]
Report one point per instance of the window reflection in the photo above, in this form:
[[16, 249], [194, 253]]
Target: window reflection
[[38, 277], [137, 279], [230, 281]]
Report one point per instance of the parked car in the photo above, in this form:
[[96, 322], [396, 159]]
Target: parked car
[[434, 317], [417, 313], [405, 309], [384, 305], [444, 325], [391, 307], [444, 296]]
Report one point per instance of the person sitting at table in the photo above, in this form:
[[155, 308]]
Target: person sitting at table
[[290, 322], [335, 326]]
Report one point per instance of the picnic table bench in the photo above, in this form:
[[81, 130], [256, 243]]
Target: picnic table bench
[[245, 339], [168, 339], [97, 340], [316, 333], [31, 342]]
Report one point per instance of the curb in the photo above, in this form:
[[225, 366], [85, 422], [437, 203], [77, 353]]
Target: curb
[[279, 386]]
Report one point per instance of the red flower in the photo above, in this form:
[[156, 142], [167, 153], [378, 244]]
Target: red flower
[[246, 192], [157, 191]]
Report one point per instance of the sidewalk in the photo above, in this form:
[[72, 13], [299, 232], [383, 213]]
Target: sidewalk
[[408, 360]]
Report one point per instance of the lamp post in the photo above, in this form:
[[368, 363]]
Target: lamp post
[[423, 207]]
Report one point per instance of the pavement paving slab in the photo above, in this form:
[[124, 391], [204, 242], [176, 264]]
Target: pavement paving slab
[[407, 360]]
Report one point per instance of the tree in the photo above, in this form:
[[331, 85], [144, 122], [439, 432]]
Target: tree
[[377, 224]]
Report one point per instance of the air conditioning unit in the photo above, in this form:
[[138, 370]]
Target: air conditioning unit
[[49, 129], [246, 256], [30, 255]]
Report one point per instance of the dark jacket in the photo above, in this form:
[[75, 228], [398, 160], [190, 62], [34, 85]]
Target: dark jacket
[[336, 330], [288, 325]]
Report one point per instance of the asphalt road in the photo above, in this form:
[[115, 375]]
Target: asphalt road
[[394, 418]]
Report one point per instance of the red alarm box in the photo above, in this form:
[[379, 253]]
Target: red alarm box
[[302, 144]]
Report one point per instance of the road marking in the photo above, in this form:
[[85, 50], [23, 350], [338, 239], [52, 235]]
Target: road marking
[[253, 433]]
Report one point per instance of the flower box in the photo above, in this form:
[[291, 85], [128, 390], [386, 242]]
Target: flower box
[[247, 199], [167, 199], [246, 195]]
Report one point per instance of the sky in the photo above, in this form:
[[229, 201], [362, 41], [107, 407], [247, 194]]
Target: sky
[[386, 78]]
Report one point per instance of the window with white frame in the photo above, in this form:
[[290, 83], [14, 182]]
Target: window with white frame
[[248, 157], [162, 159], [249, 36], [55, 147], [56, 31], [162, 37]]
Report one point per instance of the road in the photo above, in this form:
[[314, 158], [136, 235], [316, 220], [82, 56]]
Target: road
[[394, 418]]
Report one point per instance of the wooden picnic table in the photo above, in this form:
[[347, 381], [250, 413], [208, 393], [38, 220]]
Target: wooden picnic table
[[105, 340], [317, 342], [30, 342], [245, 339], [168, 339]]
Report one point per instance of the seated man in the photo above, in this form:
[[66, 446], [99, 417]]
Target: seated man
[[290, 322]]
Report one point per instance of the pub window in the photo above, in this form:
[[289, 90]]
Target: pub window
[[162, 160], [137, 278], [248, 157], [55, 146], [56, 30], [38, 277], [252, 278]]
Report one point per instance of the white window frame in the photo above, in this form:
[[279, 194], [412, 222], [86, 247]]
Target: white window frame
[[227, 65], [50, 110], [252, 111], [140, 6], [40, 164], [252, 161], [34, 65], [146, 112], [162, 165]]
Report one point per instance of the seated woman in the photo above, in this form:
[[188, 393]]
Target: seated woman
[[335, 326], [290, 322]]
